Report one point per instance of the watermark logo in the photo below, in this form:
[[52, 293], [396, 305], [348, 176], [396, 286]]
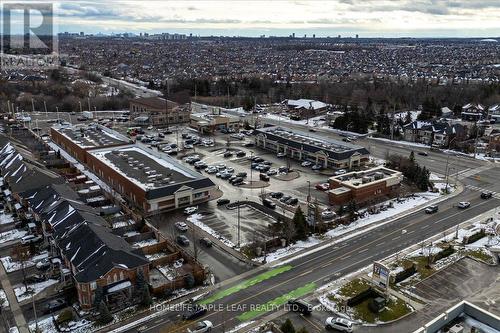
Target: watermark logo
[[28, 39]]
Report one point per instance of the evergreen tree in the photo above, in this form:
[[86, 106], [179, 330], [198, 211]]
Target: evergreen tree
[[412, 157], [408, 118], [299, 221], [287, 326], [146, 297], [140, 282], [104, 314], [98, 296]]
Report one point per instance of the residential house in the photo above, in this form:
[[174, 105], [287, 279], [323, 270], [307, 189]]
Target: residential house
[[472, 112]]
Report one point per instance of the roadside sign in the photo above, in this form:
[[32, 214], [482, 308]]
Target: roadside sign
[[380, 275]]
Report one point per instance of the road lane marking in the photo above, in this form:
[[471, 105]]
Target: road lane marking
[[424, 226], [396, 237], [315, 259], [380, 243], [364, 250]]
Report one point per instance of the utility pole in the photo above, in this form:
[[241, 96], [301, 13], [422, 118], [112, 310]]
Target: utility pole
[[195, 245], [475, 140], [32, 105], [238, 223], [34, 312], [45, 107]]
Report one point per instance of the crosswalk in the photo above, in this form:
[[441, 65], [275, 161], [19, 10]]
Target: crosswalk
[[462, 174], [479, 189]]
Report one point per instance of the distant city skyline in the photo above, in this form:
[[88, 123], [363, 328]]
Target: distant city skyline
[[369, 18]]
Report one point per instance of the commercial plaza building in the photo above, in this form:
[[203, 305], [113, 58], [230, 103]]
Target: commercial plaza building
[[157, 111], [306, 146], [152, 181], [363, 186]]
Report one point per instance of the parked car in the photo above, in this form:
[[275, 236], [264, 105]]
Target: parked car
[[283, 169], [317, 167], [285, 198], [36, 278], [240, 153], [340, 172], [182, 240], [272, 172], [431, 209], [195, 312], [225, 175], [323, 186], [292, 201], [463, 204], [486, 195], [211, 170], [229, 170], [43, 264], [339, 324], [202, 327], [181, 226], [54, 305], [312, 130], [206, 242], [221, 202], [30, 239], [228, 154], [264, 177], [241, 174], [237, 181], [306, 164], [327, 215], [280, 155], [268, 203], [276, 195], [190, 210], [297, 305], [423, 153]]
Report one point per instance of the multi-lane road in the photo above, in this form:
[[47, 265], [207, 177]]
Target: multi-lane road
[[258, 294]]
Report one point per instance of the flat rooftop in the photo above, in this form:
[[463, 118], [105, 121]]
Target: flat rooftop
[[370, 176], [147, 169], [92, 136], [312, 140]]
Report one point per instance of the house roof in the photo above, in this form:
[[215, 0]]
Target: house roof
[[93, 251], [306, 104]]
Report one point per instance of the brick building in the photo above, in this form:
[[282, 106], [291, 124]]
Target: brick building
[[305, 146], [363, 186], [158, 112], [77, 140], [152, 182]]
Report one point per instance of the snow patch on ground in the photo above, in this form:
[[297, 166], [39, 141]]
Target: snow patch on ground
[[6, 218], [11, 265], [11, 235], [196, 220], [3, 299], [35, 288]]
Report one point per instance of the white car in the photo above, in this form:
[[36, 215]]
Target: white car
[[202, 327], [463, 204], [340, 172], [190, 210], [306, 164], [30, 239], [181, 226], [212, 170], [339, 324], [327, 215]]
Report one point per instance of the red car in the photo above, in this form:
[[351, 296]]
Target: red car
[[323, 186]]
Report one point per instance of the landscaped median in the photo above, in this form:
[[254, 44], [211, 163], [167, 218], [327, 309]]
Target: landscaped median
[[246, 284], [273, 305]]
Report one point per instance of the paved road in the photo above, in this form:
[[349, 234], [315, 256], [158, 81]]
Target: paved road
[[341, 259]]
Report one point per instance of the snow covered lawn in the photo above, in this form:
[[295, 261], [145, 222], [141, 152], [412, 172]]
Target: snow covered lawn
[[6, 218], [46, 325], [22, 294], [3, 299], [146, 242], [11, 235], [11, 265]]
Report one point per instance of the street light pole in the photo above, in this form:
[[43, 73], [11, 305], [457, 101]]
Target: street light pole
[[238, 223]]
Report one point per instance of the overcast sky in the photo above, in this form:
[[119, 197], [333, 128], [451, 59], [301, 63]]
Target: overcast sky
[[427, 18]]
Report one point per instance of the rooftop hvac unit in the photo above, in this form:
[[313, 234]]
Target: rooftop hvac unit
[[366, 179], [456, 329], [378, 175]]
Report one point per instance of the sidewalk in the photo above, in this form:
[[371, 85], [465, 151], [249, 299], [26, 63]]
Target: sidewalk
[[14, 306]]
